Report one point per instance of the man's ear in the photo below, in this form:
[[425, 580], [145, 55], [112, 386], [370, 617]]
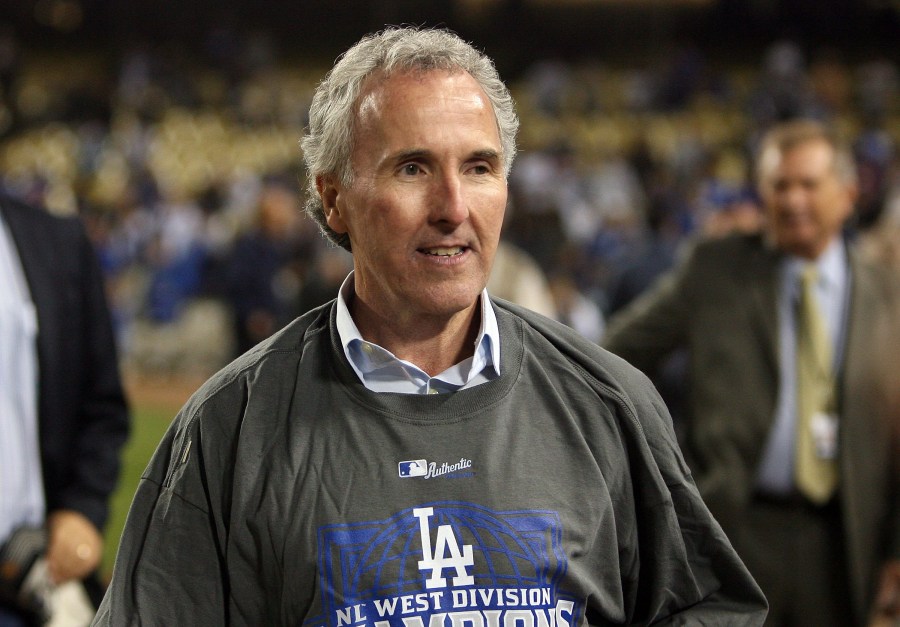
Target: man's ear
[[329, 192]]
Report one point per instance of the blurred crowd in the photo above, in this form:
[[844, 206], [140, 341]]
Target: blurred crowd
[[186, 168]]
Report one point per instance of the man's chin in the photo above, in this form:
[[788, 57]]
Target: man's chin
[[803, 249], [449, 302], [795, 242]]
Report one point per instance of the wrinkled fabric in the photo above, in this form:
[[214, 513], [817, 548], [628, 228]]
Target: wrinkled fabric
[[285, 493]]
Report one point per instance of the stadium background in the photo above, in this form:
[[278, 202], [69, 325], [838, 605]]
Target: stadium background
[[163, 123]]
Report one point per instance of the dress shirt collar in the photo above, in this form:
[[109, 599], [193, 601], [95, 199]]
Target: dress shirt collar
[[381, 371], [832, 290], [831, 265]]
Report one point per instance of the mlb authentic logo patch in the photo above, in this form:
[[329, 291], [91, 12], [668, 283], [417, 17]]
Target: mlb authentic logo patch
[[413, 468]]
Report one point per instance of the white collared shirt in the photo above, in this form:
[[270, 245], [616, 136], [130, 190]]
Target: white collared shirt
[[21, 483], [381, 371]]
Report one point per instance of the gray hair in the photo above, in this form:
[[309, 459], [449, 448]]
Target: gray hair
[[788, 135], [328, 143]]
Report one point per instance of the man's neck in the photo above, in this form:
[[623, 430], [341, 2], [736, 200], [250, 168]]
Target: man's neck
[[831, 251], [432, 343]]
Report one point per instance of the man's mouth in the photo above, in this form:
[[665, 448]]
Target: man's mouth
[[449, 251]]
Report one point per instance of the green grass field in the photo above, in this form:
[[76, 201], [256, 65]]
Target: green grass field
[[147, 428]]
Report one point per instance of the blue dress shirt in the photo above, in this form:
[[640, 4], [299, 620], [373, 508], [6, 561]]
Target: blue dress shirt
[[21, 484]]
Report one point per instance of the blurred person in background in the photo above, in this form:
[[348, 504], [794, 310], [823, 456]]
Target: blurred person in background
[[786, 433], [324, 277], [575, 309], [517, 277], [414, 439], [652, 256], [262, 271], [63, 415], [176, 255]]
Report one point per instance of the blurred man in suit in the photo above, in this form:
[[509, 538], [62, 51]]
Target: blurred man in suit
[[787, 437], [63, 415]]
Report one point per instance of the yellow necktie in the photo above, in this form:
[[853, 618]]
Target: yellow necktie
[[815, 474]]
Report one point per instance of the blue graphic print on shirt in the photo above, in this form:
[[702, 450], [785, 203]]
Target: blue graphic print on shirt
[[449, 564]]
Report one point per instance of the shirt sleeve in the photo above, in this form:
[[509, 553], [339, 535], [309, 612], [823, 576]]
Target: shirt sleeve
[[87, 416], [170, 568], [689, 574]]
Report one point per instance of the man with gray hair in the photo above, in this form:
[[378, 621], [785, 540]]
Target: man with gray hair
[[415, 452], [788, 429]]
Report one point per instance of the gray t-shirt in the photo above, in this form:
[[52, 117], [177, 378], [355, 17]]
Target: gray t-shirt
[[286, 493]]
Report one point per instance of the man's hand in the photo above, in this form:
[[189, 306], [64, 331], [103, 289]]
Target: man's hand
[[74, 546], [887, 598]]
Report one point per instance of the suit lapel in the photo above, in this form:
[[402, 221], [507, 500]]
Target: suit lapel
[[761, 282], [862, 314]]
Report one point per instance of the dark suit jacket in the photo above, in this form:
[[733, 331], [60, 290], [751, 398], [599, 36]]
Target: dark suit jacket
[[720, 304], [82, 413]]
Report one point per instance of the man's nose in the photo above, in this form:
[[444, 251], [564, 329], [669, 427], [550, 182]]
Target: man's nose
[[449, 201], [794, 197]]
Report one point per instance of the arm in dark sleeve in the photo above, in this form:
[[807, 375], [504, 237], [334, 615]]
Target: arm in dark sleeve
[[170, 568], [689, 574], [101, 412]]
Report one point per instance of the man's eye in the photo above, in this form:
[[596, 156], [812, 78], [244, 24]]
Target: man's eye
[[411, 169]]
